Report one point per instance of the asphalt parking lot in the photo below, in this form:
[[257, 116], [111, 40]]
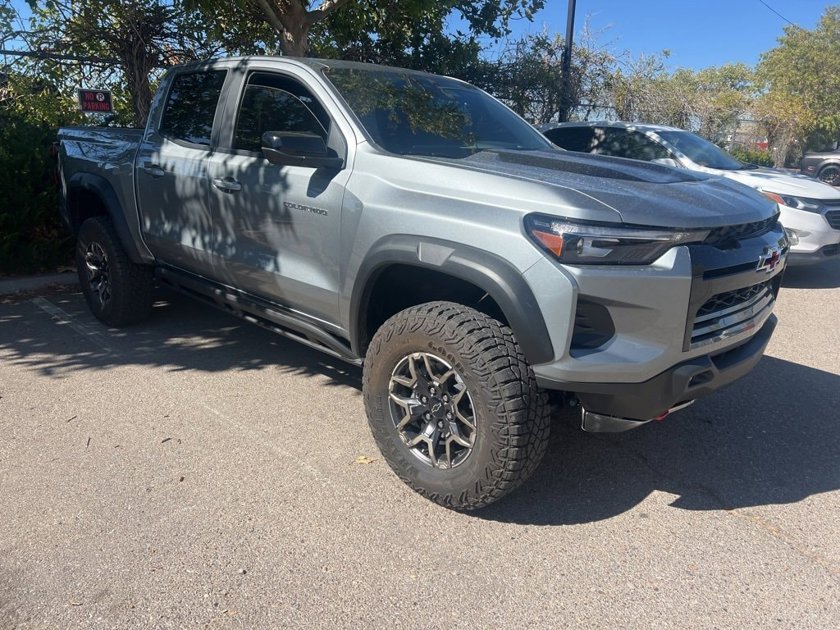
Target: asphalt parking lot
[[199, 471]]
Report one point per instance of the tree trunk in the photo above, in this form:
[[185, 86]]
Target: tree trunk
[[294, 40]]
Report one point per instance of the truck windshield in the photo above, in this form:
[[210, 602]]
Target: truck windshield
[[415, 114], [701, 151]]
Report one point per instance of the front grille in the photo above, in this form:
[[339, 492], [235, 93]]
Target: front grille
[[830, 250], [730, 234], [727, 314], [833, 218]]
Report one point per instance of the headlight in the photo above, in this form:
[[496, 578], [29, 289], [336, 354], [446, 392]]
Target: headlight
[[810, 205], [580, 243]]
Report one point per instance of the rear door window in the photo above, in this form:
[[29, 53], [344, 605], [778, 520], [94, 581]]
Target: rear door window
[[191, 106]]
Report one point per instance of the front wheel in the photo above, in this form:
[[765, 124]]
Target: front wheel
[[830, 175], [453, 405]]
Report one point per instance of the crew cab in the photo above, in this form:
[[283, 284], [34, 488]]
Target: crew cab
[[413, 225]]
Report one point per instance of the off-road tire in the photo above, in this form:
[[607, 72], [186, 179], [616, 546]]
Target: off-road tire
[[130, 284], [512, 417]]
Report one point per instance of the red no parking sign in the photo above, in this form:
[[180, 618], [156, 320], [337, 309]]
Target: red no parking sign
[[98, 101]]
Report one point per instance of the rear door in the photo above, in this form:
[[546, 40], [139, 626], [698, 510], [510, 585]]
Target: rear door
[[171, 173]]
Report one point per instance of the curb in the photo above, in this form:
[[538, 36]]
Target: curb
[[30, 283]]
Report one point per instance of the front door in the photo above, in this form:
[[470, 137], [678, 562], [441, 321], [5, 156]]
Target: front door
[[284, 222]]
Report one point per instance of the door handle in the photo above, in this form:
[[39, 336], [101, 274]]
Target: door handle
[[153, 169], [227, 184]]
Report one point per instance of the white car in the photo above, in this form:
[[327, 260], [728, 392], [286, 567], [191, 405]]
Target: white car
[[810, 210]]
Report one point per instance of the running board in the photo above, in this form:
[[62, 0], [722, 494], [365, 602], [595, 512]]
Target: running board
[[263, 313]]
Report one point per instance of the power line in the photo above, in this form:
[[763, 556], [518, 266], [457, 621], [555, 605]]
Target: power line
[[60, 57], [777, 13]]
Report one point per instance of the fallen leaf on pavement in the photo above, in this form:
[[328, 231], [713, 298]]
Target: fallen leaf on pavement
[[363, 459]]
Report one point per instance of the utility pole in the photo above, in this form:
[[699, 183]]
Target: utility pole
[[566, 66]]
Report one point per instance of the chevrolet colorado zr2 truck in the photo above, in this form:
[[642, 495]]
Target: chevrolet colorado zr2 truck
[[413, 225]]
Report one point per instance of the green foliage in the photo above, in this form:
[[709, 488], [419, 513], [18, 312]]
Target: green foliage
[[801, 80], [125, 45], [751, 156], [32, 235]]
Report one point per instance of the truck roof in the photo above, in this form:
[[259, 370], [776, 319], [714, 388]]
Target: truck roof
[[316, 64]]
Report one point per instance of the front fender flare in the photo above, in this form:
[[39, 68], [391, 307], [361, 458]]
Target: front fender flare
[[491, 273]]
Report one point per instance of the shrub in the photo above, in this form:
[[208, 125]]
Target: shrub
[[32, 234], [752, 156]]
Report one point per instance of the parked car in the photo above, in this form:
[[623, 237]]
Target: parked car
[[810, 210], [824, 165], [412, 224]]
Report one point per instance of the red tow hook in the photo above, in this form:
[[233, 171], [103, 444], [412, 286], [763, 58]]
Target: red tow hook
[[668, 412]]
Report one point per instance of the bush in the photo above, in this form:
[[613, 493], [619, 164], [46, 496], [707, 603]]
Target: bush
[[32, 234], [752, 156]]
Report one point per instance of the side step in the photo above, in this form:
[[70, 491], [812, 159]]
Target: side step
[[273, 317]]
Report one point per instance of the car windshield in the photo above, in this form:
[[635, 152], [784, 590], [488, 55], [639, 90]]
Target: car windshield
[[701, 151], [417, 114]]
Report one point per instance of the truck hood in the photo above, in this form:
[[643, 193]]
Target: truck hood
[[781, 183], [641, 193]]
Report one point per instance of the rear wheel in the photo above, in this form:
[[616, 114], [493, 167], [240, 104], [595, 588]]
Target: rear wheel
[[118, 291], [830, 174], [453, 405]]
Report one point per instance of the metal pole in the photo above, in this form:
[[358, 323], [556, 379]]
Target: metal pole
[[566, 67]]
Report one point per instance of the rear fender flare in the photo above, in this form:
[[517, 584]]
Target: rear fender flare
[[100, 187]]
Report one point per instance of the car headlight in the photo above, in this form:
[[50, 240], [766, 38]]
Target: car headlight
[[582, 243], [809, 205]]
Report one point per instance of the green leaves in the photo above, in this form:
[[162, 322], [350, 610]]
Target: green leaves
[[801, 83]]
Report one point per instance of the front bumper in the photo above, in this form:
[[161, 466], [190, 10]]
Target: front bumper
[[645, 339], [815, 239], [686, 381]]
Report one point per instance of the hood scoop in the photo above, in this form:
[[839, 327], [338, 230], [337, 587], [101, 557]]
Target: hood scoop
[[524, 162]]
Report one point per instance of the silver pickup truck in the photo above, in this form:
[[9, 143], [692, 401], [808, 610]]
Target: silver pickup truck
[[412, 224]]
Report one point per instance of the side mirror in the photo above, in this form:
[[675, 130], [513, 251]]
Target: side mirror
[[666, 162], [298, 148]]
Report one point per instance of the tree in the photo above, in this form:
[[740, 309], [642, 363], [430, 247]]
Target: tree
[[369, 29], [121, 43], [527, 74], [801, 80]]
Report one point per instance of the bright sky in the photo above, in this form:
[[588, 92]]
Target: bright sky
[[699, 33]]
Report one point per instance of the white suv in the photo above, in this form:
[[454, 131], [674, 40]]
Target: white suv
[[810, 210]]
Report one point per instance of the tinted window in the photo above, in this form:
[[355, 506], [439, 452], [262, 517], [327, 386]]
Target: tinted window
[[418, 114], [627, 144], [700, 151], [275, 103], [191, 106], [571, 138]]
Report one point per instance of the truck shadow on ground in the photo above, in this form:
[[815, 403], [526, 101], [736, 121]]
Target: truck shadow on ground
[[181, 335], [824, 275], [771, 438]]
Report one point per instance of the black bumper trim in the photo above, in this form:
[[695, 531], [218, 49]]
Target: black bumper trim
[[683, 382]]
